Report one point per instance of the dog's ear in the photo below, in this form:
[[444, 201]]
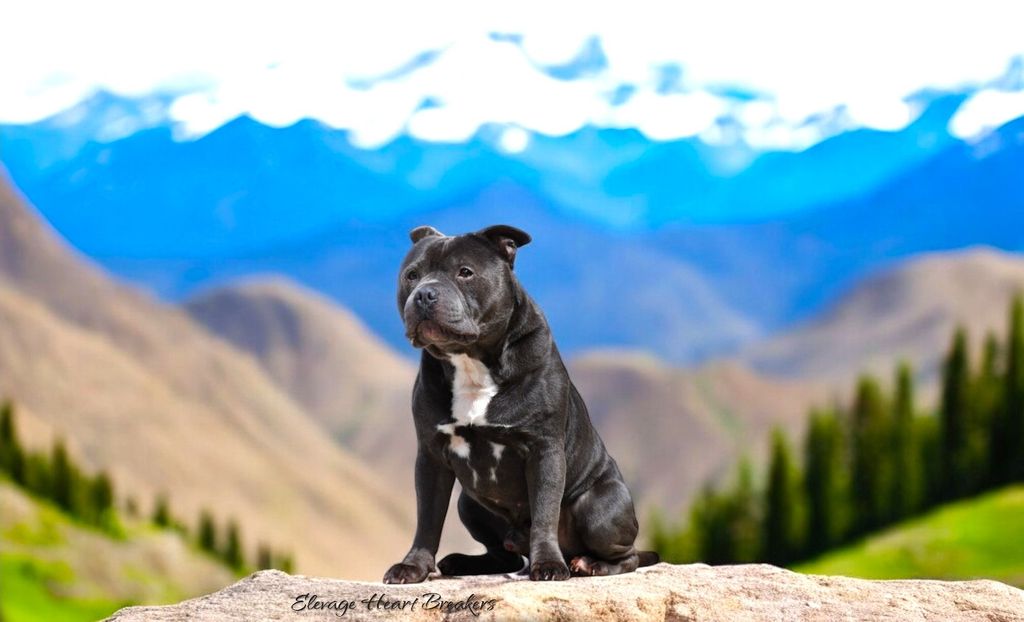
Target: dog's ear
[[507, 239], [424, 231]]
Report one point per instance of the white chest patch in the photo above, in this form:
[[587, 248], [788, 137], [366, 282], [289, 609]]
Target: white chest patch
[[472, 390]]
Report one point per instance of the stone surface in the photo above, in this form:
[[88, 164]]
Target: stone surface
[[662, 592]]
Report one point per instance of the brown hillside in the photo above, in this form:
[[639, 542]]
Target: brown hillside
[[908, 312], [326, 359], [139, 388], [672, 430]]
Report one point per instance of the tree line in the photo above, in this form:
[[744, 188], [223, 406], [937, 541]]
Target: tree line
[[868, 464], [90, 500]]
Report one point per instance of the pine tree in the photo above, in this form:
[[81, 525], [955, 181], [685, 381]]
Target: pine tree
[[264, 557], [712, 538], [985, 402], [871, 459], [781, 536], [62, 477], [38, 479], [101, 498], [207, 538], [12, 455], [232, 553], [286, 564], [162, 512], [907, 477], [742, 516], [926, 434], [825, 482], [1007, 438], [954, 419]]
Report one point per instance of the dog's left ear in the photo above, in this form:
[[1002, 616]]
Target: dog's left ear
[[507, 240]]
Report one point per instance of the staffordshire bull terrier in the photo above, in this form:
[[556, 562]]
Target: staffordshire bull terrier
[[493, 406]]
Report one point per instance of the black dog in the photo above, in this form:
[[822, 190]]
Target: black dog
[[493, 406]]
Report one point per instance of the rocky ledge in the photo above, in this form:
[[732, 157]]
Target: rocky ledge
[[661, 592]]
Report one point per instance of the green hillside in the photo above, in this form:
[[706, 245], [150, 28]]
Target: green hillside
[[976, 538], [53, 568]]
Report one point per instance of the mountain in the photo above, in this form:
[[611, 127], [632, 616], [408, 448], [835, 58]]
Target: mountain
[[140, 389], [246, 186], [595, 286], [325, 358], [628, 250], [672, 430], [782, 271], [52, 568], [907, 311]]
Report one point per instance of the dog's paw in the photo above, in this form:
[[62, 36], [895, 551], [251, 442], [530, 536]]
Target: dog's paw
[[584, 566], [549, 571], [453, 565], [405, 573]]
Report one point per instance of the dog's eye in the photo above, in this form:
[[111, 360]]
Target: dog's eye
[[465, 273], [412, 275]]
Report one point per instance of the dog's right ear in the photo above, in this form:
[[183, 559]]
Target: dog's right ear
[[424, 231]]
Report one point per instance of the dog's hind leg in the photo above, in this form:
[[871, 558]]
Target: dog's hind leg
[[606, 525], [488, 529]]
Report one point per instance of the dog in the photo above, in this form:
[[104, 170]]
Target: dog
[[494, 407]]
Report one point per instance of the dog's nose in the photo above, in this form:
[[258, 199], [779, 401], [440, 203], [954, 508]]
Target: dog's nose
[[426, 297]]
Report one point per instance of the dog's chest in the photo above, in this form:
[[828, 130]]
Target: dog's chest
[[474, 446], [472, 390]]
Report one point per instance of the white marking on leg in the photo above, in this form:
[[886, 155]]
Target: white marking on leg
[[459, 446], [496, 449], [456, 444], [494, 474]]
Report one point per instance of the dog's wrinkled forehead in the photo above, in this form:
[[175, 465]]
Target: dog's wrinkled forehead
[[438, 252]]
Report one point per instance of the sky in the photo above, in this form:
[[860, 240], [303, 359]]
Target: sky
[[788, 72]]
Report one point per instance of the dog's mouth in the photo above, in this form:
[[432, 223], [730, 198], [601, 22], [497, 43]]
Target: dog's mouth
[[430, 332]]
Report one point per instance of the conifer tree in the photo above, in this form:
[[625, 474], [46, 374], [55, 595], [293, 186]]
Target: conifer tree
[[264, 557], [62, 477], [1008, 431], [743, 516], [954, 419], [12, 455], [37, 475], [286, 564], [207, 538], [985, 401], [712, 537], [162, 512], [782, 533], [101, 498], [926, 434], [871, 459], [232, 553], [825, 482], [907, 477]]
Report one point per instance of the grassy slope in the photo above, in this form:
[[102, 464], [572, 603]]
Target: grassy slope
[[975, 538], [52, 568]]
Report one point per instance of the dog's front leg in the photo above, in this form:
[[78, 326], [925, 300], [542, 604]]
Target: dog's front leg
[[545, 481], [434, 483]]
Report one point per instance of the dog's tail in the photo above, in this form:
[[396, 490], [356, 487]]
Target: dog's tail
[[648, 558]]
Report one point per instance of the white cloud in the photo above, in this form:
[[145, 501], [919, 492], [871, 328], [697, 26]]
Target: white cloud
[[282, 62]]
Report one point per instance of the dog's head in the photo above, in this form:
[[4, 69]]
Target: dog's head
[[456, 291]]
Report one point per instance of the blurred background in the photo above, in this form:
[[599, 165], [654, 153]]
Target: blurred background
[[778, 245]]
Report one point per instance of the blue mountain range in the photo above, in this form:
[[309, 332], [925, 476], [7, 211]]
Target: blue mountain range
[[638, 244]]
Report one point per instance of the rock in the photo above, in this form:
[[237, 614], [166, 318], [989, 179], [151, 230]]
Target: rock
[[661, 592]]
